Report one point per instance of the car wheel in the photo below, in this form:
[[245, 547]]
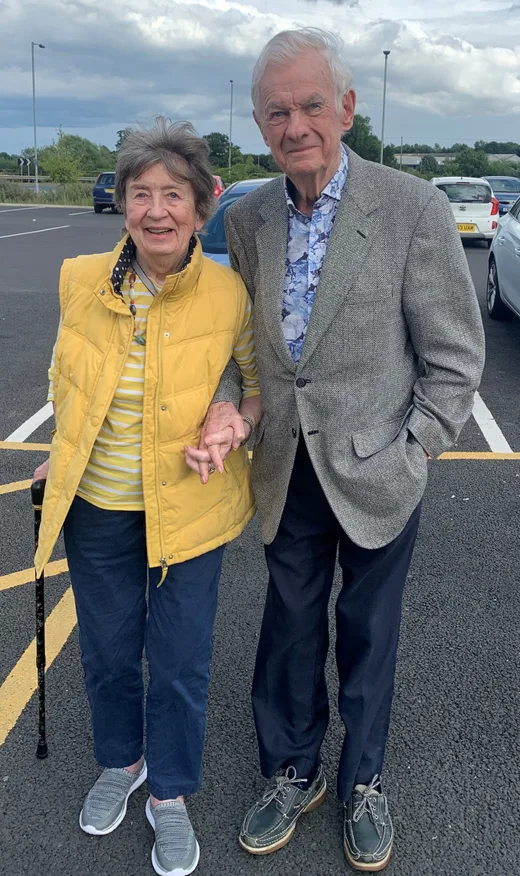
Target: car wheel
[[495, 306], [98, 208]]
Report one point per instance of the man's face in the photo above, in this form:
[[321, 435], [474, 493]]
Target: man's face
[[298, 116]]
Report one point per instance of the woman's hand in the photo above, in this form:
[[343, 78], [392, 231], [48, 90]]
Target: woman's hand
[[211, 453], [42, 472]]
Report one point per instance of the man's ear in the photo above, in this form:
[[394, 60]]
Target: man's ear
[[348, 108], [264, 137]]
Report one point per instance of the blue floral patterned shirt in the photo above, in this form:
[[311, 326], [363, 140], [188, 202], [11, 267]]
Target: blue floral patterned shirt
[[307, 240]]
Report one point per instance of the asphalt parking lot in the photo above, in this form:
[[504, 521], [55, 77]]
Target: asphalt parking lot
[[452, 770]]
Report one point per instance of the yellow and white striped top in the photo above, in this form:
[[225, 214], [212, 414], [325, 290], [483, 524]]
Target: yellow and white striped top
[[112, 478]]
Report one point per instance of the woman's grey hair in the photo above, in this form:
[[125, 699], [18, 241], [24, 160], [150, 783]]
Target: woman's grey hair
[[184, 154], [288, 45]]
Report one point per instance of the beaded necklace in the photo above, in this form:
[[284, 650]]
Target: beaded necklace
[[136, 270], [129, 259]]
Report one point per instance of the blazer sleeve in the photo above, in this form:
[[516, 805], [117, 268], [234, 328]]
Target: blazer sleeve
[[230, 386], [445, 324]]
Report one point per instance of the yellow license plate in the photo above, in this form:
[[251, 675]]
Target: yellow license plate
[[461, 226], [109, 191]]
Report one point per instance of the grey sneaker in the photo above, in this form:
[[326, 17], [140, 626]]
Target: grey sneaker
[[271, 822], [368, 831], [105, 805], [176, 851]]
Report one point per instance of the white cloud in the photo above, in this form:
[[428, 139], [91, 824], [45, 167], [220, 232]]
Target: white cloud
[[130, 59]]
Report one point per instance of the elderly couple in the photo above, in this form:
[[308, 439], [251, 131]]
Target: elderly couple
[[369, 347]]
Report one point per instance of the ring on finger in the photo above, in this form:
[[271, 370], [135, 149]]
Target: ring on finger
[[211, 468]]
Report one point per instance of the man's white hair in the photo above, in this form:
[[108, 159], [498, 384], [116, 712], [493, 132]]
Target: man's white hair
[[288, 45]]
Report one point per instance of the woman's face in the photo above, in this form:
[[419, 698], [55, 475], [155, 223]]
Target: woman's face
[[161, 216]]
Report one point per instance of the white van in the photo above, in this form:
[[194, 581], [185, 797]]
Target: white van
[[473, 204]]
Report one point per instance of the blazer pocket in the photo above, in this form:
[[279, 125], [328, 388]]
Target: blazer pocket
[[369, 441]]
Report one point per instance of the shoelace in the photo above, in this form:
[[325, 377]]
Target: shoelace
[[110, 788], [173, 829], [283, 783], [368, 803]]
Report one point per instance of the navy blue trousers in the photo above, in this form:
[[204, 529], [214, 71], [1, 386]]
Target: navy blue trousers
[[106, 552], [290, 701]]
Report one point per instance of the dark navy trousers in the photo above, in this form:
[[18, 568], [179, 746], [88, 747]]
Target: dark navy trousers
[[106, 552], [290, 701]]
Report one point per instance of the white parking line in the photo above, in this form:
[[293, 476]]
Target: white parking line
[[39, 231], [19, 209], [31, 424], [489, 427], [83, 213]]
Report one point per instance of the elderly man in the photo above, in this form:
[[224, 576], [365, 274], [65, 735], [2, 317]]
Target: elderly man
[[370, 347]]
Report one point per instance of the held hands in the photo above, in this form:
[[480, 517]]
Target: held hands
[[223, 430]]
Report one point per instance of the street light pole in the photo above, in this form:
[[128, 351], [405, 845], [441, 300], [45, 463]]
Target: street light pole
[[386, 54], [36, 187], [230, 121]]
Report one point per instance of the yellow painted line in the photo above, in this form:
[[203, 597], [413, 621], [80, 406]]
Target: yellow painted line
[[22, 445], [21, 682], [479, 455], [15, 579], [14, 486]]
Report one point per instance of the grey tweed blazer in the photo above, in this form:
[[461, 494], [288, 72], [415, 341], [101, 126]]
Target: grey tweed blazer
[[393, 353]]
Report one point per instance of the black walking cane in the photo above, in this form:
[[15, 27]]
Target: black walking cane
[[37, 491]]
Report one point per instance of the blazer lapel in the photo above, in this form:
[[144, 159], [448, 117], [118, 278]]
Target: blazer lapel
[[348, 247], [271, 245]]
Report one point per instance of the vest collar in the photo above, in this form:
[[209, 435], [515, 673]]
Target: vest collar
[[176, 285]]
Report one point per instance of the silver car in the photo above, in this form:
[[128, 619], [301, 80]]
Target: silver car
[[503, 283]]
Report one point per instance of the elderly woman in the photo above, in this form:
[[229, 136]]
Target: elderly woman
[[146, 332]]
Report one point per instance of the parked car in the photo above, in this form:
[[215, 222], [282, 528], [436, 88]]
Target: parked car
[[213, 235], [473, 204], [103, 192], [503, 282], [506, 190], [219, 186], [242, 187]]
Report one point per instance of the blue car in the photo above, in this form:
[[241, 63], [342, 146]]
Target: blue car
[[213, 236], [506, 190], [103, 192]]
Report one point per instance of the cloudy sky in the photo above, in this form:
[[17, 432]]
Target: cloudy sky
[[453, 74]]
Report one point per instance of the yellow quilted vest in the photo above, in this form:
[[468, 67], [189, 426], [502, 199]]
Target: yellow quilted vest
[[193, 325]]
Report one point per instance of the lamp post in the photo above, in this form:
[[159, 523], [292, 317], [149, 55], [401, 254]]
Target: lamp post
[[36, 187], [230, 121], [386, 54]]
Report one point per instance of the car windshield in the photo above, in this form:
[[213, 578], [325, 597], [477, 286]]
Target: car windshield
[[213, 236], [106, 179], [506, 185], [466, 192]]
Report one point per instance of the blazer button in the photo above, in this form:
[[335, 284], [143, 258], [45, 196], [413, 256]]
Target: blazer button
[[94, 421], [301, 382], [294, 433]]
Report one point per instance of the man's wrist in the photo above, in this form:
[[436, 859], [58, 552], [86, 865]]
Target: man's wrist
[[251, 423]]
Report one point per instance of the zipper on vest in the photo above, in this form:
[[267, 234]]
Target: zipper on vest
[[164, 564], [164, 567]]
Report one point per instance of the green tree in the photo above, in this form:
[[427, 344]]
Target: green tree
[[268, 163], [472, 162], [219, 150], [362, 140], [389, 158], [428, 165], [9, 163], [121, 135], [59, 160]]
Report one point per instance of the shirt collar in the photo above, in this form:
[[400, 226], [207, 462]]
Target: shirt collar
[[333, 188]]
